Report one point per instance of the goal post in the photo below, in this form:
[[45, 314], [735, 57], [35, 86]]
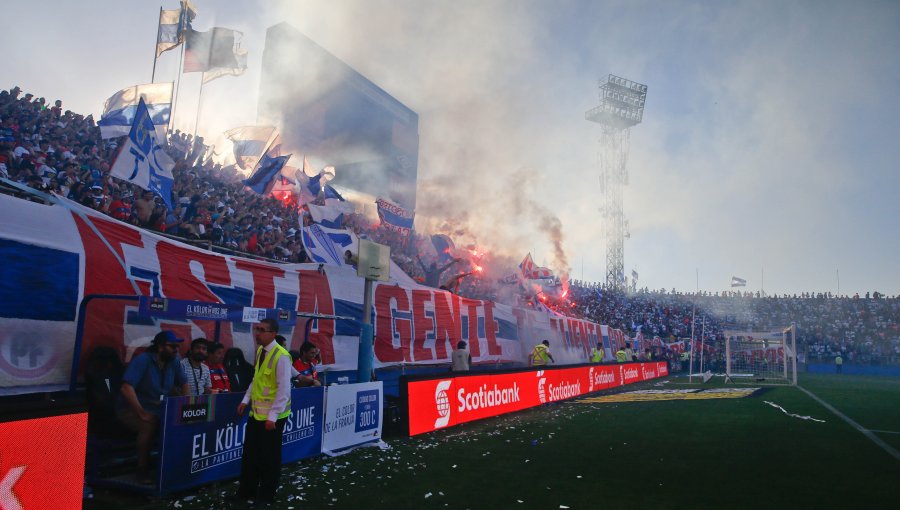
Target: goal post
[[761, 357]]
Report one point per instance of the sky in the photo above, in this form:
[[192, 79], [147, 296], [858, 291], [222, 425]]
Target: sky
[[768, 148]]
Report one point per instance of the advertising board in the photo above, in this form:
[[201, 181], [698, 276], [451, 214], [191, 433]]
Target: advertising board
[[436, 403]]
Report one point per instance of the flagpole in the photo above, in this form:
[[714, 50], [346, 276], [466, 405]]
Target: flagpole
[[702, 342], [155, 55], [199, 105], [691, 358], [182, 25]]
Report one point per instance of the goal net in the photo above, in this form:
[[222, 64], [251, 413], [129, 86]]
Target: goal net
[[761, 357]]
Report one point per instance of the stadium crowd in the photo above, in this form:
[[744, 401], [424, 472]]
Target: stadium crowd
[[54, 150], [861, 329]]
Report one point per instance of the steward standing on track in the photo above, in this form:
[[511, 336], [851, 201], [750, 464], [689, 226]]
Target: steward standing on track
[[597, 353], [540, 355], [621, 355], [269, 397]]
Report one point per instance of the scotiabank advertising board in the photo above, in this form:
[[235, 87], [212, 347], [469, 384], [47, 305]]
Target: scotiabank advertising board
[[437, 403], [42, 462]]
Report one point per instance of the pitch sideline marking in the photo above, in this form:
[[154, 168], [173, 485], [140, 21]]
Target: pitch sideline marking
[[866, 432], [885, 431]]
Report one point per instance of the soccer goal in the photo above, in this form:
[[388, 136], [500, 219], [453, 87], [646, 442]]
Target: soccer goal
[[761, 357]]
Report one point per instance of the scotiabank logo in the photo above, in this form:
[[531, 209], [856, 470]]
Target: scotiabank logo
[[630, 375], [442, 401], [601, 378], [542, 381], [663, 369], [487, 397], [563, 391], [647, 373], [591, 380]]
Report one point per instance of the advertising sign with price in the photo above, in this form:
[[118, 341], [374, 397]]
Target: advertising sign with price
[[352, 415]]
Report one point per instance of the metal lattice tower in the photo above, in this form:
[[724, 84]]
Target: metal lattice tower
[[621, 107]]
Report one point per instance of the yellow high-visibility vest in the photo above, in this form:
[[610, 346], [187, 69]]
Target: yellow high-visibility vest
[[262, 393]]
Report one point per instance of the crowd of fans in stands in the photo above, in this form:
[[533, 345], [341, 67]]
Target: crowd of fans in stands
[[863, 329], [55, 150]]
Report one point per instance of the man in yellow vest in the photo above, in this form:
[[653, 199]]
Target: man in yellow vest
[[597, 353], [540, 355], [269, 398], [839, 364], [621, 355]]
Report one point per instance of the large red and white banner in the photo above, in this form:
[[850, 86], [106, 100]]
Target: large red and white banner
[[57, 255], [443, 402]]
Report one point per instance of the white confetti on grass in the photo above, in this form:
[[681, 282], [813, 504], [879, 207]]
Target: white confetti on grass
[[792, 414]]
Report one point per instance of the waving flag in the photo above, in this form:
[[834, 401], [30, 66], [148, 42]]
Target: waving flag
[[142, 160], [120, 109], [330, 192], [326, 215], [531, 272], [205, 51], [314, 186], [443, 245], [249, 142], [264, 178], [327, 245], [169, 33], [171, 26], [395, 217], [240, 57], [738, 282]]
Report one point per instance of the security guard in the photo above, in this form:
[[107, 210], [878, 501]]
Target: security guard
[[540, 355], [621, 355], [597, 353], [269, 397]]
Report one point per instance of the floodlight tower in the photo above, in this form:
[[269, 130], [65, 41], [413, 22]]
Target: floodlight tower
[[621, 107]]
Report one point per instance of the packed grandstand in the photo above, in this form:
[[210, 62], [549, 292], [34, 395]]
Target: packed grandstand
[[52, 150]]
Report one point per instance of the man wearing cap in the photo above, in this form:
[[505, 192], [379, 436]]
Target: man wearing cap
[[149, 378], [269, 398]]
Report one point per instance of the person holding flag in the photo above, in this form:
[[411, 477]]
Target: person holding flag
[[142, 160]]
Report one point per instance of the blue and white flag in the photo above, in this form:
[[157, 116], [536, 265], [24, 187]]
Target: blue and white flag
[[444, 246], [170, 33], [249, 143], [120, 109], [327, 245], [326, 215], [395, 217], [738, 282], [266, 175], [634, 274], [142, 161], [314, 186]]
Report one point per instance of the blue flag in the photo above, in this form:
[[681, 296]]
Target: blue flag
[[330, 192], [269, 170], [142, 161], [443, 245], [314, 186]]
